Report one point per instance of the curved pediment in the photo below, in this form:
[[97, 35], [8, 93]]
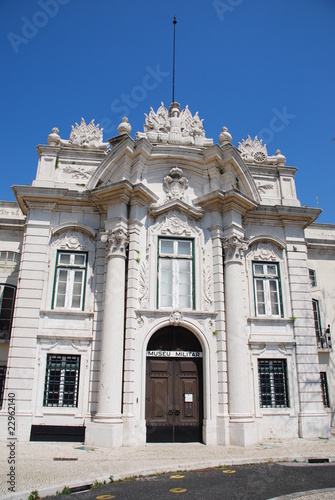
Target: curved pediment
[[190, 188], [157, 210]]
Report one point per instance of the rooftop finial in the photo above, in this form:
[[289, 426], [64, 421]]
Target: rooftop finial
[[174, 53]]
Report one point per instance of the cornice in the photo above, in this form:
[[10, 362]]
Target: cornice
[[48, 197], [69, 151], [219, 200], [124, 191], [287, 215]]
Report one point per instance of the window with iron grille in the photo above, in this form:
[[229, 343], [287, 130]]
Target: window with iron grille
[[69, 289], [7, 300], [175, 274], [312, 277], [61, 380], [267, 289], [317, 320], [2, 382], [272, 374], [324, 389], [9, 262]]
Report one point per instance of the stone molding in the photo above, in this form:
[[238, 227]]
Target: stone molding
[[265, 251], [72, 240]]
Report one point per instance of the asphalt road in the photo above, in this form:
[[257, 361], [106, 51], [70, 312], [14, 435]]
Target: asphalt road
[[244, 482]]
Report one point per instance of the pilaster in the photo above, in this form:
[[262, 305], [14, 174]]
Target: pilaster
[[313, 420], [243, 430]]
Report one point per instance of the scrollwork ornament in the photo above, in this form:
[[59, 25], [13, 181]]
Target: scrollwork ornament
[[144, 285], [207, 279], [116, 241]]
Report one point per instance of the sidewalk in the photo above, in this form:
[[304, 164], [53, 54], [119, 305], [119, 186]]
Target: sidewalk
[[48, 467]]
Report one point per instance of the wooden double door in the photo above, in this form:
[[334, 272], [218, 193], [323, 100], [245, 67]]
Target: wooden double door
[[174, 400]]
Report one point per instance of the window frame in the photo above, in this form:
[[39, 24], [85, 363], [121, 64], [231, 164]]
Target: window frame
[[70, 269], [324, 389], [3, 372], [317, 320], [3, 287], [272, 392], [175, 257], [61, 363], [265, 280], [14, 261], [312, 278]]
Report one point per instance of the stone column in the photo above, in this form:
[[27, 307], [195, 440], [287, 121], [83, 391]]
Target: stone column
[[243, 430], [107, 427]]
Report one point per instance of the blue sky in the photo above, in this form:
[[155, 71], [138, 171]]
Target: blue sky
[[258, 67]]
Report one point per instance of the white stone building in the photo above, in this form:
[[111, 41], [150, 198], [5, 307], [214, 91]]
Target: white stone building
[[166, 289]]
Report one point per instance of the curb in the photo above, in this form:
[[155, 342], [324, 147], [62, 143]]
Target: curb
[[84, 485]]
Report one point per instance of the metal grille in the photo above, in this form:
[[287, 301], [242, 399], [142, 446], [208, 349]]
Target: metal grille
[[312, 277], [324, 389], [62, 380], [273, 383], [2, 382]]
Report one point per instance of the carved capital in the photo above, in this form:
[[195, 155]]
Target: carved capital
[[116, 241], [234, 248]]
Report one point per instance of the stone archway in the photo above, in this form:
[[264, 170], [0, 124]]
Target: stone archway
[[174, 387]]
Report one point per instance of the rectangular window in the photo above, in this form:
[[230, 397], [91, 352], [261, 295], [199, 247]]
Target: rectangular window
[[9, 262], [2, 383], [61, 380], [267, 289], [317, 321], [324, 389], [312, 277], [273, 383], [70, 280], [7, 299], [175, 274]]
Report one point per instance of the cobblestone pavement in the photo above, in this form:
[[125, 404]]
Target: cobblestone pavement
[[48, 467]]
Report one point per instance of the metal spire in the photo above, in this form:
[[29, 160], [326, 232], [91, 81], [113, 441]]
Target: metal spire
[[174, 53]]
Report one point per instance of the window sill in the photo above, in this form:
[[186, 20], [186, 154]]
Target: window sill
[[66, 312], [269, 319], [274, 412]]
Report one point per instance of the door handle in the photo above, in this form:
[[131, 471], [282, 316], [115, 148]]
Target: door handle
[[170, 412], [177, 411]]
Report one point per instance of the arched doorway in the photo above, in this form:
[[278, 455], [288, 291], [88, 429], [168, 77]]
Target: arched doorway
[[174, 388]]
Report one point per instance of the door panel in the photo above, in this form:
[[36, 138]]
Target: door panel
[[172, 400]]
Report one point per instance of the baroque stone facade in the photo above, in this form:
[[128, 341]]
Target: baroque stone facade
[[165, 288]]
